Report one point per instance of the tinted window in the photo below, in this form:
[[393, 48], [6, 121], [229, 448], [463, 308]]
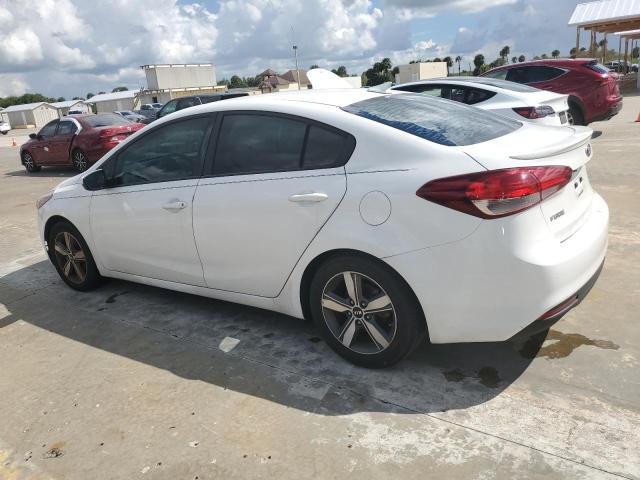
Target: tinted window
[[187, 102], [170, 152], [434, 119], [106, 120], [210, 99], [533, 74], [258, 144], [514, 87], [324, 148], [434, 90], [49, 129], [471, 96], [499, 74], [170, 107], [596, 67], [66, 128]]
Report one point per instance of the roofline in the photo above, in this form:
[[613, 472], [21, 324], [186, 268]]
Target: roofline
[[165, 65]]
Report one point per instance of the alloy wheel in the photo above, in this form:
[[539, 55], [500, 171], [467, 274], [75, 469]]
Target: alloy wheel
[[359, 313], [71, 257], [79, 161], [570, 119], [28, 161]]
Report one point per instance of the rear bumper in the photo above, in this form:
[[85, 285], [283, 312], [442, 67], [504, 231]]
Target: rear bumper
[[504, 276], [609, 112]]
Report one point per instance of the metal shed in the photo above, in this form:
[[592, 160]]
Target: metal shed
[[71, 105], [30, 115], [111, 102]]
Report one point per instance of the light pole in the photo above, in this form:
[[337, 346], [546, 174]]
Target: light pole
[[295, 52]]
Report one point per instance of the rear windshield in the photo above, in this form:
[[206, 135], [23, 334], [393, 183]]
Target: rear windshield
[[106, 120], [596, 67], [507, 85], [434, 119]]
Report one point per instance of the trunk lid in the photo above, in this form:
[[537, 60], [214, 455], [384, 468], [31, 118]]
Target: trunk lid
[[533, 145]]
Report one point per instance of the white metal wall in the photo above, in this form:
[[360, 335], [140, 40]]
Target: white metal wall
[[180, 76], [113, 105]]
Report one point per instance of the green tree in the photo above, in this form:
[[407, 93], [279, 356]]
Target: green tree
[[583, 49], [537, 57], [313, 66], [478, 61], [74, 98], [101, 93], [504, 53], [236, 82], [341, 71], [119, 89], [514, 59], [573, 51], [555, 53], [521, 58], [449, 62], [60, 99], [437, 59], [458, 61], [544, 56], [26, 98], [635, 53], [89, 95]]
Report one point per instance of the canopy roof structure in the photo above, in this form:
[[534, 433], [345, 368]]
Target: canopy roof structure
[[620, 17]]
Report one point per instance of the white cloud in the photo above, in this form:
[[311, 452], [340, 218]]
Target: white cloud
[[12, 85], [409, 9]]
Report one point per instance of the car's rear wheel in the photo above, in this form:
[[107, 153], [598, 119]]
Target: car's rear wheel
[[72, 258], [29, 163], [79, 160], [4, 133], [574, 115], [365, 311]]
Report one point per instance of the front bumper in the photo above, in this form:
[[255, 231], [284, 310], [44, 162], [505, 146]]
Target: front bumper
[[504, 276]]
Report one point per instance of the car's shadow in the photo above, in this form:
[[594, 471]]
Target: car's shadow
[[45, 172], [253, 351]]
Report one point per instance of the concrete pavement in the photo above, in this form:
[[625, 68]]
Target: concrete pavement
[[136, 382]]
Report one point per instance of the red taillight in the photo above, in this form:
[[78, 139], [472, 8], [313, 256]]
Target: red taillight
[[534, 112], [563, 307], [496, 193]]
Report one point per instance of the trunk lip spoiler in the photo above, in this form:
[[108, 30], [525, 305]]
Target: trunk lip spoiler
[[581, 136]]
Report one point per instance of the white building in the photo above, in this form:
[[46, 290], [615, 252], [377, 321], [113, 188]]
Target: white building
[[110, 102], [72, 105], [413, 72], [30, 115], [168, 81]]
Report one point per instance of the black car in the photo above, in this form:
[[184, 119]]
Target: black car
[[193, 100]]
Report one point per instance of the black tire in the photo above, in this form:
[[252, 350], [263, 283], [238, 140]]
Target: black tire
[[380, 281], [29, 163], [4, 133], [79, 160], [69, 275], [575, 115]]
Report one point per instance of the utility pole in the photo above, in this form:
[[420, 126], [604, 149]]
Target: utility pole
[[295, 52]]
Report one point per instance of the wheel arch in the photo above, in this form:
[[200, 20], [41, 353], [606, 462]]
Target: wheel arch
[[51, 221], [573, 100], [314, 264]]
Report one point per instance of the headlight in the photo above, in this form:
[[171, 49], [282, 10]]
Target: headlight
[[44, 199]]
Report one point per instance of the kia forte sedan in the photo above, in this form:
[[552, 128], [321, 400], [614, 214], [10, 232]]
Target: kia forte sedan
[[389, 219]]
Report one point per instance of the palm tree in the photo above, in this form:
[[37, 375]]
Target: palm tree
[[449, 63], [521, 58], [504, 53], [555, 53], [458, 60], [514, 59], [544, 56], [386, 66], [573, 51], [478, 61]]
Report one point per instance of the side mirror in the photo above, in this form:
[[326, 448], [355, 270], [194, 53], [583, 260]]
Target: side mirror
[[96, 180], [33, 136]]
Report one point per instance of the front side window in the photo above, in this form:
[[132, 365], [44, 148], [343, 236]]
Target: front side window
[[433, 119], [187, 102], [170, 107], [67, 128], [170, 152], [258, 144], [49, 130]]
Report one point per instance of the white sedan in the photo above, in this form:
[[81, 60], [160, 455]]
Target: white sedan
[[387, 219], [499, 96], [4, 127]]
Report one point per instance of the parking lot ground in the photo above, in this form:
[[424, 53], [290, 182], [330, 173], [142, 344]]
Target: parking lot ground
[[130, 381]]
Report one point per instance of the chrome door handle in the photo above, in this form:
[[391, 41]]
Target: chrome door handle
[[175, 206], [308, 197]]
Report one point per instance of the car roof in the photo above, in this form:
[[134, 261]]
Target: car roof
[[551, 62]]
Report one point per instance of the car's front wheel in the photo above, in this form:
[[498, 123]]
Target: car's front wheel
[[365, 311], [72, 258], [29, 163]]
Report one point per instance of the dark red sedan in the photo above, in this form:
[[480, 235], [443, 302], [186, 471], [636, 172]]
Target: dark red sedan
[[75, 140], [593, 89]]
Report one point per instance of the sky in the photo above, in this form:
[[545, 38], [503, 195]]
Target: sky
[[71, 47]]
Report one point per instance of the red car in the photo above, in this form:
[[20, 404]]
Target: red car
[[75, 140], [593, 90]]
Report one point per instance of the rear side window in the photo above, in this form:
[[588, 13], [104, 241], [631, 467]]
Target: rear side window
[[596, 67], [188, 102], [105, 120], [259, 143], [170, 152], [209, 99], [498, 74], [533, 74], [439, 121], [66, 128]]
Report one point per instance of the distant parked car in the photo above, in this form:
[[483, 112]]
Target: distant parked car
[[77, 141], [76, 112], [130, 115], [593, 89], [157, 105], [505, 98], [4, 127], [186, 102]]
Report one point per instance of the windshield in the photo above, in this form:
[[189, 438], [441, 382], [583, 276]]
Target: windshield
[[434, 119], [106, 120]]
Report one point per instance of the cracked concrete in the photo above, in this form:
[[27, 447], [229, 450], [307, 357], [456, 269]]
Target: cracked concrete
[[130, 381]]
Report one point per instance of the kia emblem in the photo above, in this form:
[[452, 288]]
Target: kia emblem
[[588, 150]]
